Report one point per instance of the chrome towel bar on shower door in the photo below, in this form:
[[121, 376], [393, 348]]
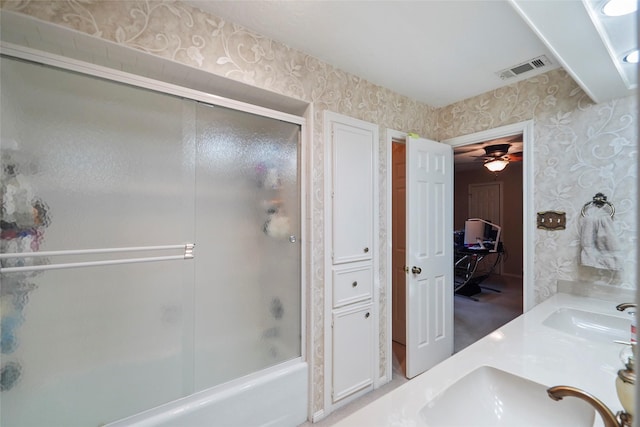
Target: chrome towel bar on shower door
[[188, 254]]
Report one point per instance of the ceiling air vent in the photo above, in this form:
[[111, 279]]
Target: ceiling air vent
[[532, 64]]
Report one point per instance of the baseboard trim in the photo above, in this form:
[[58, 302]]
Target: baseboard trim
[[318, 416], [381, 381]]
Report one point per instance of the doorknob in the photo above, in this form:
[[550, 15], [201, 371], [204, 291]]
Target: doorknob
[[416, 270]]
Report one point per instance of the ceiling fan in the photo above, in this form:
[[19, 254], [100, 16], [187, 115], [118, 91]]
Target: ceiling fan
[[497, 157]]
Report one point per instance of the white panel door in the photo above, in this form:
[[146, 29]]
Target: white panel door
[[485, 202], [429, 254]]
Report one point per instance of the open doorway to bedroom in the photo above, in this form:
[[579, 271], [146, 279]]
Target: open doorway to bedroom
[[488, 270]]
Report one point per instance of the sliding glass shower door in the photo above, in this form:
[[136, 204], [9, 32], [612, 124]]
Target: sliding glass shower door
[[108, 184], [89, 164], [247, 224]]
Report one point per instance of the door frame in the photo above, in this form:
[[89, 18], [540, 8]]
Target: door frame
[[528, 227], [528, 224]]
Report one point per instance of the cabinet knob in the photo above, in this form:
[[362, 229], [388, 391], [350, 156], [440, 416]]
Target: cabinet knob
[[354, 284], [366, 250], [366, 316]]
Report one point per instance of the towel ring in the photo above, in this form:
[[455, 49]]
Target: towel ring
[[599, 200]]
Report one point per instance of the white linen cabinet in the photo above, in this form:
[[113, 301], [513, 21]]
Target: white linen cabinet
[[351, 343]]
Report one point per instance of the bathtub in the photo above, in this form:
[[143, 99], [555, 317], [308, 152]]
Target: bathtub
[[277, 396]]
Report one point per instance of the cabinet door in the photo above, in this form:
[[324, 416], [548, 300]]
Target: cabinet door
[[352, 350], [352, 187]]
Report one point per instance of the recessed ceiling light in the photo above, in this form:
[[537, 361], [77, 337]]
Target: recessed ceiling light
[[619, 7], [631, 58]]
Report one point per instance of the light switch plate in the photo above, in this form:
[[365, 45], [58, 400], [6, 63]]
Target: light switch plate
[[552, 220]]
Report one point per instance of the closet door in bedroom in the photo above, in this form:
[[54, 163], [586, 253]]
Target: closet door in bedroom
[[485, 202]]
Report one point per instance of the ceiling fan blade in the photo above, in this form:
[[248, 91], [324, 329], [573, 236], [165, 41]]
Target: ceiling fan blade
[[515, 157], [459, 151]]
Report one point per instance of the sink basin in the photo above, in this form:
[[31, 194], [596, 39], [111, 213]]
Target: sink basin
[[591, 326], [490, 397]]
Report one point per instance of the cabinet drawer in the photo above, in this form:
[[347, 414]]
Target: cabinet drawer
[[352, 284]]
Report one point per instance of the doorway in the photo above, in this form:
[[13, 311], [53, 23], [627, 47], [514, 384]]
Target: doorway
[[398, 248], [527, 222], [488, 285]]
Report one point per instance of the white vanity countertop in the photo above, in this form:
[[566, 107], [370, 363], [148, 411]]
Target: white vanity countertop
[[524, 347]]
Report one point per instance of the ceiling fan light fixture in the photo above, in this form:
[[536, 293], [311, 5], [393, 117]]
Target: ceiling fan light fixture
[[496, 165]]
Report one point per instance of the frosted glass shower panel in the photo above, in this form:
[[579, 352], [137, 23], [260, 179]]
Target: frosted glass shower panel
[[248, 226], [97, 344], [113, 162], [88, 164]]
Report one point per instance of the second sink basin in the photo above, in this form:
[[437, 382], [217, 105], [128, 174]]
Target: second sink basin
[[490, 397], [591, 326]]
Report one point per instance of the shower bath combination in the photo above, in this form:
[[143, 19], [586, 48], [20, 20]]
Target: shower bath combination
[[114, 312]]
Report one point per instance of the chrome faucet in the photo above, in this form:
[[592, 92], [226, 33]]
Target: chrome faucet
[[609, 418], [625, 305]]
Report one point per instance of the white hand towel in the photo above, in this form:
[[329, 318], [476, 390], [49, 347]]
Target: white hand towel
[[600, 248]]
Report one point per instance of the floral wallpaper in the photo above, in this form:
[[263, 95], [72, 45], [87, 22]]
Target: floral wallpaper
[[581, 148], [575, 140]]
